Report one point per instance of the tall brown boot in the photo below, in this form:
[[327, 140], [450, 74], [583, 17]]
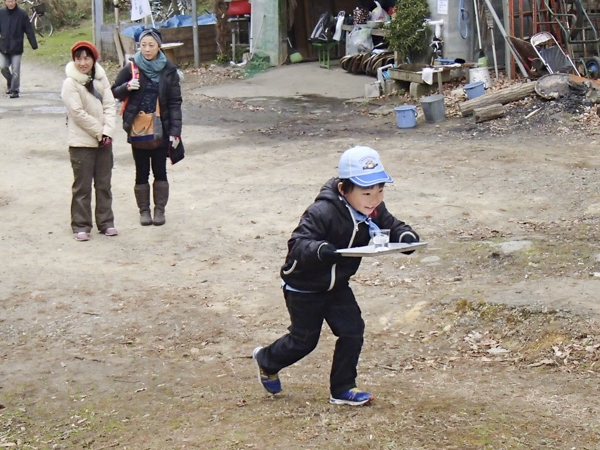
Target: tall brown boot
[[160, 189], [142, 197]]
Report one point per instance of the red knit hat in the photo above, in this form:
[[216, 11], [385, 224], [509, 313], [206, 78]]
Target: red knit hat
[[88, 46]]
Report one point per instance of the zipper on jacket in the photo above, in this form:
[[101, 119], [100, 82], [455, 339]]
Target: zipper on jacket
[[354, 231], [332, 282], [291, 269]]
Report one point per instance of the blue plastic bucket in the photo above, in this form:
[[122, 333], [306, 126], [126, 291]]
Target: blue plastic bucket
[[406, 116], [474, 90]]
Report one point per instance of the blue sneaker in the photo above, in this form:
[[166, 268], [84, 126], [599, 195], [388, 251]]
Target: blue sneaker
[[353, 397], [270, 382]]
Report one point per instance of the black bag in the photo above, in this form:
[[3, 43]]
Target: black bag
[[323, 29], [176, 154], [40, 9]]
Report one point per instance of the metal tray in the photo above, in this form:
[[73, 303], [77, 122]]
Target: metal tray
[[370, 250]]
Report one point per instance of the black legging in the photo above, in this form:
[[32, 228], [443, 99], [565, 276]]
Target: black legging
[[145, 158]]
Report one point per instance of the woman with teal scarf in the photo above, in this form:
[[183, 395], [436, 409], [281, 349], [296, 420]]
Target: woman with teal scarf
[[148, 82]]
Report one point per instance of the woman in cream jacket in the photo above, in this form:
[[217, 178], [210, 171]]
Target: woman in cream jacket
[[91, 119]]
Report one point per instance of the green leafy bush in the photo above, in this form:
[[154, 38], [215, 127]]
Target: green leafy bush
[[405, 33], [68, 13]]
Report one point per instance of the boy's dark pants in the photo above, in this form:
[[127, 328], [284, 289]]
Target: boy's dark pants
[[307, 312]]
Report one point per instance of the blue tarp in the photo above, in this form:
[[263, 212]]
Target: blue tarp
[[185, 20], [181, 20]]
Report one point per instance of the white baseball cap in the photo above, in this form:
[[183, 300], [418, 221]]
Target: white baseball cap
[[362, 166]]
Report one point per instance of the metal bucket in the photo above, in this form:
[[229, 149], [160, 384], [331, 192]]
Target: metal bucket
[[433, 108]]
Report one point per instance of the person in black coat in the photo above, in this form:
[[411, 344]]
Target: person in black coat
[[316, 277], [14, 24], [148, 82]]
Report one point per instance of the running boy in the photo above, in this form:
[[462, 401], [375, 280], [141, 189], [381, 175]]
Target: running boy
[[315, 277]]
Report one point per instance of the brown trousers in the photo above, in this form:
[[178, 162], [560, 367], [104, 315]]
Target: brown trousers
[[91, 165]]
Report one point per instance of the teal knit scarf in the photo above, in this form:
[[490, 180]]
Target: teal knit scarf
[[151, 69]]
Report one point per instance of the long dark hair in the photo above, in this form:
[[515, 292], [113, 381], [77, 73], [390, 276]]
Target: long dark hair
[[86, 52]]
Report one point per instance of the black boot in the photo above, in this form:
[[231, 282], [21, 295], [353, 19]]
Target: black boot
[[142, 197], [160, 190]]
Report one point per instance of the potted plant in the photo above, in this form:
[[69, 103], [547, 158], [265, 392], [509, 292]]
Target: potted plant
[[405, 33]]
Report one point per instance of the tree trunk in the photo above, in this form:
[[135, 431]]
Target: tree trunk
[[488, 112], [507, 95], [220, 7], [581, 81]]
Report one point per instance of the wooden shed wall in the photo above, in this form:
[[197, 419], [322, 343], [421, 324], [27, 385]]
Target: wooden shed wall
[[207, 42]]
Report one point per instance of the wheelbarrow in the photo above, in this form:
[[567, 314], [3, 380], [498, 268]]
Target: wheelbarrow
[[550, 55]]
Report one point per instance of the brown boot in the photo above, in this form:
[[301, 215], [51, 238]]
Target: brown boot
[[142, 197], [160, 189]]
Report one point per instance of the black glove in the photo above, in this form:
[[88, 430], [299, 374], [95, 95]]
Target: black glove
[[328, 254], [408, 238], [106, 140]]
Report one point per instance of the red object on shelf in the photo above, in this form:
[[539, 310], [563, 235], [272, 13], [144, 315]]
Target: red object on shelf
[[239, 8]]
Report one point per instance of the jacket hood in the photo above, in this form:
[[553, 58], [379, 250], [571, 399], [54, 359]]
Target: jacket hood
[[82, 78], [329, 192]]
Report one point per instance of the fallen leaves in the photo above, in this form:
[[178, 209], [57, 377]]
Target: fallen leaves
[[213, 74], [495, 333], [543, 362], [480, 346]]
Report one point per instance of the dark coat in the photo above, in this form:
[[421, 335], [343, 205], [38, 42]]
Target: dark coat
[[169, 98], [330, 220], [14, 24]]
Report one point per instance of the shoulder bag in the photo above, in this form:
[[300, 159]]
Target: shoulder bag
[[146, 131]]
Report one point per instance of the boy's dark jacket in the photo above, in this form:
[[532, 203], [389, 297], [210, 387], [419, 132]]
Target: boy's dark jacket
[[13, 24], [329, 220]]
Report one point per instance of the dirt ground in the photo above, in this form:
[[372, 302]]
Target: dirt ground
[[487, 339]]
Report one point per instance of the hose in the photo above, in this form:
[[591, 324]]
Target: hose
[[463, 20]]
